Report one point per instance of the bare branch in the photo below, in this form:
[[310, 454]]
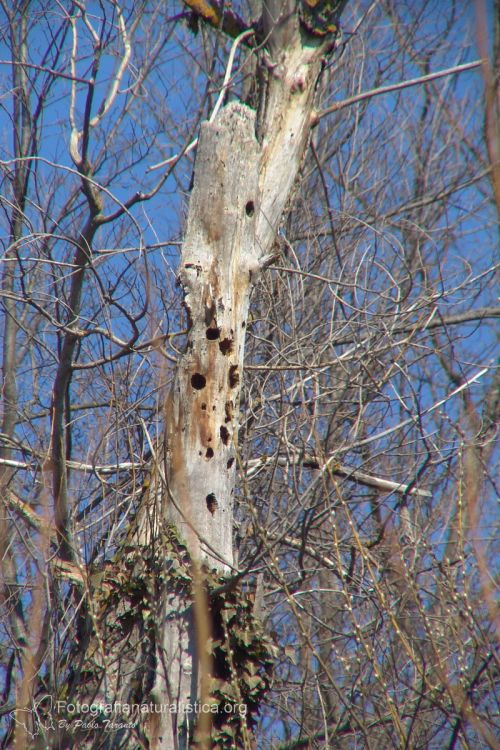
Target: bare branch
[[397, 87]]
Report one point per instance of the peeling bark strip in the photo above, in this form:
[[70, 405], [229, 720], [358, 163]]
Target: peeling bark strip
[[219, 258]]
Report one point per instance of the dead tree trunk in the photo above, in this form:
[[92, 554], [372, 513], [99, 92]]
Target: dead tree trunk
[[245, 173], [219, 261], [242, 187], [181, 558]]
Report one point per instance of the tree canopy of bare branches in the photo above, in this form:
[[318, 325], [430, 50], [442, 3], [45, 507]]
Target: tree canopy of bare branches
[[249, 374]]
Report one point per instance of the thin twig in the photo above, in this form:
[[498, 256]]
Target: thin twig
[[218, 104]]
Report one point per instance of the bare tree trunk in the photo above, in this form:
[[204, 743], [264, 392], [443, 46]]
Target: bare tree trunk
[[241, 189], [246, 168], [218, 262]]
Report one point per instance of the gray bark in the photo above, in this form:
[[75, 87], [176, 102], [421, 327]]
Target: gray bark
[[246, 169], [219, 260], [242, 187]]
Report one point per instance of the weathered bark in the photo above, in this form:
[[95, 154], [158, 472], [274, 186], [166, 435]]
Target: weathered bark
[[219, 260], [242, 187], [246, 168], [285, 127]]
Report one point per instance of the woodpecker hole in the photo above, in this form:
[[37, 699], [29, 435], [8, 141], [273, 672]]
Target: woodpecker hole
[[230, 462], [234, 376], [209, 453], [213, 333], [204, 406], [198, 381], [212, 503], [226, 346], [224, 434], [250, 208]]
